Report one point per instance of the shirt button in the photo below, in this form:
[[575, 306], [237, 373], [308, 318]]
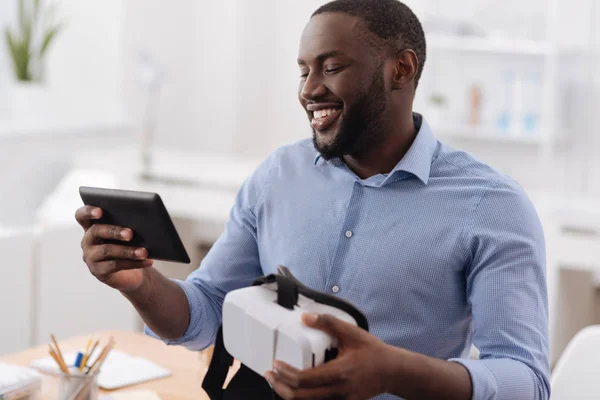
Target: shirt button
[[335, 289], [348, 234]]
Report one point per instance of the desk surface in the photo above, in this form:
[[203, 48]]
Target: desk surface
[[188, 367]]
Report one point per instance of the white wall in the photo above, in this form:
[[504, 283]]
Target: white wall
[[85, 66], [269, 110], [16, 288], [594, 126], [196, 43]]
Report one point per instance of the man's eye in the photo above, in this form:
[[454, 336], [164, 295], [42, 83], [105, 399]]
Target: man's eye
[[331, 70]]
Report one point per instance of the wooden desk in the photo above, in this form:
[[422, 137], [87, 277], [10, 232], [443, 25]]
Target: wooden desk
[[188, 367]]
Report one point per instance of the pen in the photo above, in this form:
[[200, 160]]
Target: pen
[[90, 354], [78, 360], [85, 355]]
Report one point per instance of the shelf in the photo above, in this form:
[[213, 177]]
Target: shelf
[[487, 135], [490, 45]]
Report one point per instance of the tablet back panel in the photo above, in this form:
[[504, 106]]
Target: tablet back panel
[[145, 214]]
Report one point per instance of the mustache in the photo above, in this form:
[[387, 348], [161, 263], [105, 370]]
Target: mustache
[[321, 101]]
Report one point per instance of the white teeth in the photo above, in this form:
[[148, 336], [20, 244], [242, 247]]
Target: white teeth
[[324, 113]]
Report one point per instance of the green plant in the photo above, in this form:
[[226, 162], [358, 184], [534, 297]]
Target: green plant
[[29, 44], [438, 99]]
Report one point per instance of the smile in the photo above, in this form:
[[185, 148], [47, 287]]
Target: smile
[[325, 118]]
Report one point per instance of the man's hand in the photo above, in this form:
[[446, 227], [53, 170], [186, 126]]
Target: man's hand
[[118, 266], [359, 371]]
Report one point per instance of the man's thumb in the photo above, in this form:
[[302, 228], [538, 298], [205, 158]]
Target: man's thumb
[[331, 325]]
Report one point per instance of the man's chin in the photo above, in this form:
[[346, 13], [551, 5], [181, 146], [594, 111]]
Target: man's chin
[[326, 146]]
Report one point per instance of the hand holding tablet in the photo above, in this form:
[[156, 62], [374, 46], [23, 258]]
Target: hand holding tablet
[[124, 231], [142, 212]]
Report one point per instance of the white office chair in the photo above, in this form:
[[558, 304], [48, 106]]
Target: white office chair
[[576, 373]]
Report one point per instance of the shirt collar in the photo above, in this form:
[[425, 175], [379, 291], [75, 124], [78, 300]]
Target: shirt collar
[[418, 158]]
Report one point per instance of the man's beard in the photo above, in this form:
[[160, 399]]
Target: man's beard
[[361, 124]]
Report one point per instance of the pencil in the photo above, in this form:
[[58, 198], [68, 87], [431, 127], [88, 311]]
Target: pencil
[[58, 352], [110, 347], [102, 356], [55, 356], [85, 355], [58, 361], [98, 364], [55, 359]]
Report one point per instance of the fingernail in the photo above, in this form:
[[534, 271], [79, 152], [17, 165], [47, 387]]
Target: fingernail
[[269, 379], [96, 213], [310, 317], [125, 234], [147, 263], [139, 253]]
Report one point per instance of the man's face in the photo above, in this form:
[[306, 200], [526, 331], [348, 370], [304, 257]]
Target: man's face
[[342, 85]]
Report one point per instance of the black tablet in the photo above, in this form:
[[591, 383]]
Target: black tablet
[[145, 214]]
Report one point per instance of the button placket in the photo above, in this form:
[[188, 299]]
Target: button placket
[[337, 271]]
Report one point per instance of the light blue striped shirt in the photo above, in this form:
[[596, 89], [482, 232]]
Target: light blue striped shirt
[[442, 252]]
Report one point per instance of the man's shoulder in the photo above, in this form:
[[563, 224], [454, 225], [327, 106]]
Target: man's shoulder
[[300, 153], [460, 164], [299, 150], [283, 160], [497, 194]]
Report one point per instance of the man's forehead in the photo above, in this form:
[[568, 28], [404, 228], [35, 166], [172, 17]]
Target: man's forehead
[[330, 32]]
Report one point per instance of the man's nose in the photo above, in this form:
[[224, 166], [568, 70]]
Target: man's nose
[[312, 88]]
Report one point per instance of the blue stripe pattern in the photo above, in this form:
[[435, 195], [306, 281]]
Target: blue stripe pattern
[[440, 253]]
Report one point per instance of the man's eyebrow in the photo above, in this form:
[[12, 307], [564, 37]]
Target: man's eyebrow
[[322, 57]]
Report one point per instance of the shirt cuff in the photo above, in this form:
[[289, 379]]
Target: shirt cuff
[[500, 379], [193, 338]]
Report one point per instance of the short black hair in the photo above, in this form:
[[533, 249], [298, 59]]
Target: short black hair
[[390, 20]]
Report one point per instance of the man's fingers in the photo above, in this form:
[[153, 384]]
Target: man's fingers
[[101, 231], [328, 374], [314, 393], [116, 252], [333, 326], [287, 374], [86, 215], [111, 266]]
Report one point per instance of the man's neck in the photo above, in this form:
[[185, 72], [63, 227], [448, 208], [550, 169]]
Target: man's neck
[[382, 157]]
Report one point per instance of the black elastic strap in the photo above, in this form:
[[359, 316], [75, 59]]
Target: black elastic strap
[[287, 292], [326, 299], [248, 385], [218, 369], [245, 384]]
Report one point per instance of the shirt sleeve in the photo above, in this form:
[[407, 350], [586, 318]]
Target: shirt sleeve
[[506, 289], [231, 263]]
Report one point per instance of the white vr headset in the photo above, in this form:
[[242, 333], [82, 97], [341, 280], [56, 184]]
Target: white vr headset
[[262, 323]]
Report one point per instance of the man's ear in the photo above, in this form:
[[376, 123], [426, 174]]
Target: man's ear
[[405, 71]]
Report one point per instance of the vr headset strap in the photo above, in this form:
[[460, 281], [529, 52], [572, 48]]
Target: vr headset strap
[[246, 381], [217, 371], [286, 278]]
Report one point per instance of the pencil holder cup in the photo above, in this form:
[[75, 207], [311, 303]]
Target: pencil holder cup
[[77, 386]]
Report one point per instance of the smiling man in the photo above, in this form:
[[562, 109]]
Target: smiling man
[[439, 250]]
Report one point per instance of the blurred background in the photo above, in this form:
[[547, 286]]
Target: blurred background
[[186, 97]]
